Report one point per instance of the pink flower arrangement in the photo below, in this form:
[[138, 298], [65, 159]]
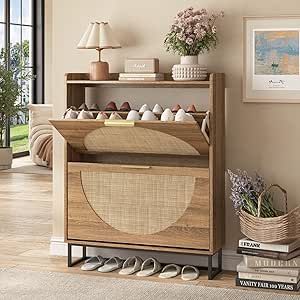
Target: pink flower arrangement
[[193, 32]]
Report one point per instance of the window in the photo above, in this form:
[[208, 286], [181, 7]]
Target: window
[[21, 35]]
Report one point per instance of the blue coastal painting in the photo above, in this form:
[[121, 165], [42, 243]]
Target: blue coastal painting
[[277, 52]]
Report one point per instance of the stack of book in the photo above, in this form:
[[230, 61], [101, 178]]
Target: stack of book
[[141, 76], [269, 266]]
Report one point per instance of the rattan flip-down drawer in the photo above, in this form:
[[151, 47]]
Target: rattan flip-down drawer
[[146, 205]]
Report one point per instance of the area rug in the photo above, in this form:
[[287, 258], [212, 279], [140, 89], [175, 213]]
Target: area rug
[[16, 283]]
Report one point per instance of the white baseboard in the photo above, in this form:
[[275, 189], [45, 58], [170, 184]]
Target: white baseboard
[[59, 248]]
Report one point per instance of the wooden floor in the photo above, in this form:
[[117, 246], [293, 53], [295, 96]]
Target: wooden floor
[[26, 224]]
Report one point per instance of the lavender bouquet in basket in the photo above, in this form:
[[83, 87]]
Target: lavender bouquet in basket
[[245, 192]]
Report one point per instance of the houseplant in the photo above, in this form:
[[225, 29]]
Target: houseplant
[[10, 91], [192, 33]]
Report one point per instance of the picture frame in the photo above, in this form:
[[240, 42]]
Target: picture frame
[[271, 59]]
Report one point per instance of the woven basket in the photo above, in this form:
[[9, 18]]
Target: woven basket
[[281, 229]]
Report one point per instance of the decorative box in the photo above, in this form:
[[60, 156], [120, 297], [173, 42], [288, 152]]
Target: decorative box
[[142, 65]]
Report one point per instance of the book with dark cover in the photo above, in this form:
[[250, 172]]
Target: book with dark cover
[[292, 287], [269, 254]]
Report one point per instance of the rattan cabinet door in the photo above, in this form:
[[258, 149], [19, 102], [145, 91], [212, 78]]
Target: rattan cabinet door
[[157, 206]]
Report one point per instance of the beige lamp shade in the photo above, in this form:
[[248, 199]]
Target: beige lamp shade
[[98, 36]]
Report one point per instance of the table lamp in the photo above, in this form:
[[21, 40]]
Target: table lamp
[[99, 36]]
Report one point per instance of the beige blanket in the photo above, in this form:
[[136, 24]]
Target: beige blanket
[[45, 150]]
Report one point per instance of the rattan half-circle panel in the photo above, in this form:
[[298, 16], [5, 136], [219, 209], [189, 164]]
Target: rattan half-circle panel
[[136, 140], [138, 203]]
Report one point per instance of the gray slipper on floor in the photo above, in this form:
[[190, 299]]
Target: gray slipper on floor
[[170, 271], [114, 263], [131, 265], [149, 267], [189, 273], [93, 263]]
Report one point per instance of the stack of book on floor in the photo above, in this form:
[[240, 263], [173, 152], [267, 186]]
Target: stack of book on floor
[[269, 266]]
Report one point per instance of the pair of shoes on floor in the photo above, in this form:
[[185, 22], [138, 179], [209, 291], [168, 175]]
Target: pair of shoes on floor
[[101, 264], [130, 266], [188, 273], [135, 265]]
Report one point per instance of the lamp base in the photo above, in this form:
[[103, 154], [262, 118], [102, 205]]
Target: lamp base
[[99, 70]]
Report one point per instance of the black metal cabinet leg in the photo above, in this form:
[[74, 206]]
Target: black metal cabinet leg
[[72, 263], [213, 272]]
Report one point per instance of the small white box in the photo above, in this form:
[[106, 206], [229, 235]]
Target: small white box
[[142, 65]]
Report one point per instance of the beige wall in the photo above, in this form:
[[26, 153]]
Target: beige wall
[[262, 137]]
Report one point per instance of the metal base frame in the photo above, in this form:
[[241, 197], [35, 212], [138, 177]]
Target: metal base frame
[[72, 263], [212, 271]]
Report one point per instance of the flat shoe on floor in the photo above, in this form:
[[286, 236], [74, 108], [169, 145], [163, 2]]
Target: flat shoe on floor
[[170, 271], [114, 263], [149, 267], [189, 273], [93, 263], [131, 265]]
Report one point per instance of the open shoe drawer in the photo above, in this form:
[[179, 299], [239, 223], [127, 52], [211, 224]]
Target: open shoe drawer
[[140, 205], [150, 137]]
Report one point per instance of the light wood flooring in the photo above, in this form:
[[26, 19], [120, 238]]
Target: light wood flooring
[[26, 224]]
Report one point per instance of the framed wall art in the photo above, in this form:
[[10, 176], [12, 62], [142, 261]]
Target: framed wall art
[[271, 59]]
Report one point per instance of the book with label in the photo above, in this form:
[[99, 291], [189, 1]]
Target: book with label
[[261, 262], [269, 254], [268, 284], [141, 75], [293, 272], [269, 277], [286, 248]]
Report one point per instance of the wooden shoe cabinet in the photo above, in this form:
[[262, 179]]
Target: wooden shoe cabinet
[[145, 185]]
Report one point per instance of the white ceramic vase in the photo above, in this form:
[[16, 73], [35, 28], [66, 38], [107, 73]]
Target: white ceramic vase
[[189, 69], [5, 158], [189, 60]]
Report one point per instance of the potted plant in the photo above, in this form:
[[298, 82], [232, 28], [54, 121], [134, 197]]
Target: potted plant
[[192, 33], [10, 91]]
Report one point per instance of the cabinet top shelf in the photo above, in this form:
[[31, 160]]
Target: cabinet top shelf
[[83, 79]]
